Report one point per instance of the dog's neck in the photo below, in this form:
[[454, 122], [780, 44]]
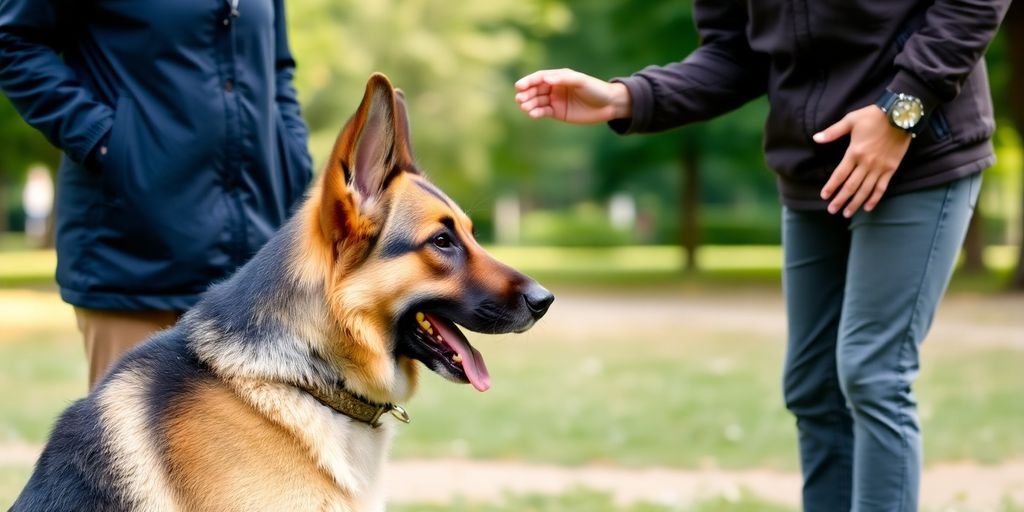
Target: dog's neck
[[266, 324]]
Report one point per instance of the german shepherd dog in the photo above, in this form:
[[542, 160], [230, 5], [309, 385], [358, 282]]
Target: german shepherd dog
[[273, 393]]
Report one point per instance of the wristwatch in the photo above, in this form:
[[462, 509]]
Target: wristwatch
[[904, 111]]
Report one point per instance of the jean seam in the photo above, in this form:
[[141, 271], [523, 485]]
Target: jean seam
[[908, 339]]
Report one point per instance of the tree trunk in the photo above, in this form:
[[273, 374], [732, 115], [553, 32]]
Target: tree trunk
[[3, 205], [689, 223], [974, 245], [1014, 27]]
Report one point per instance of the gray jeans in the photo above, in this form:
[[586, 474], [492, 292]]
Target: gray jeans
[[860, 296]]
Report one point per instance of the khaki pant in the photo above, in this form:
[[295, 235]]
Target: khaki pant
[[110, 334]]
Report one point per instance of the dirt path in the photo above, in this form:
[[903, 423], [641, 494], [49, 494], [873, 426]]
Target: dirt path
[[967, 319], [947, 487]]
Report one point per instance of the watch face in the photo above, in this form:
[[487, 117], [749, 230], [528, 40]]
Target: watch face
[[906, 111]]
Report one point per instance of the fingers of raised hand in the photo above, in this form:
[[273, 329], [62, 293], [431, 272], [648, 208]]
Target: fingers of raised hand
[[532, 101], [532, 92], [532, 80], [563, 76]]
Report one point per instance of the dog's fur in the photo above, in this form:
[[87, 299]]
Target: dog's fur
[[215, 414]]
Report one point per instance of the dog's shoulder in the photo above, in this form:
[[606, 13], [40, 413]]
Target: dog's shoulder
[[71, 473], [108, 444]]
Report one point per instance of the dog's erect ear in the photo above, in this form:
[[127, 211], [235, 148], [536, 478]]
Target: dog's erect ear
[[371, 150], [402, 119]]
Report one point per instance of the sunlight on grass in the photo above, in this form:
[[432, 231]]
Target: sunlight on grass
[[584, 500], [27, 267], [12, 479], [24, 310], [40, 375]]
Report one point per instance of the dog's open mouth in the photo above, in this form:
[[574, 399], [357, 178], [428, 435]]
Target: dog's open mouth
[[449, 349]]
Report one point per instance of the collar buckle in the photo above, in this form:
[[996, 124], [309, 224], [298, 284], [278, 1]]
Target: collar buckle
[[356, 407]]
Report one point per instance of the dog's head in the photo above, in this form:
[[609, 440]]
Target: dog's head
[[404, 267]]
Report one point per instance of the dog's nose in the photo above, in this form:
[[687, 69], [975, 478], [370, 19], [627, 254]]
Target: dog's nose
[[538, 299]]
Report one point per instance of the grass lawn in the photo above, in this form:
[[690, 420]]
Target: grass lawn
[[704, 395], [631, 402], [715, 402], [591, 501]]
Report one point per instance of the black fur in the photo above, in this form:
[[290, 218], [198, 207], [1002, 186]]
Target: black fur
[[73, 473]]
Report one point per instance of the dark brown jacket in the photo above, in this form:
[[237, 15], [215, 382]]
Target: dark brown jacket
[[818, 60]]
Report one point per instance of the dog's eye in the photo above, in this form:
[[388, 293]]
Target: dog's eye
[[442, 241]]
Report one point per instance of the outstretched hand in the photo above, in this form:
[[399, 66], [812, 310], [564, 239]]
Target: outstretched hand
[[572, 97], [876, 150]]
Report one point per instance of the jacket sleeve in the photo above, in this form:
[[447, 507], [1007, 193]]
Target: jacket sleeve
[[939, 56], [719, 76], [41, 87], [285, 96]]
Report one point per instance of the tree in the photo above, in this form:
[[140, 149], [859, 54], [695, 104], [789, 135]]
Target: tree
[[1013, 28], [452, 61], [687, 168]]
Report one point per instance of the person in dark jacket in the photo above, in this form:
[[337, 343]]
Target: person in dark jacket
[[184, 149], [879, 128]]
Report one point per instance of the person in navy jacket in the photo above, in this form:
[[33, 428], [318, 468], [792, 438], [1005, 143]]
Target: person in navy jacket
[[184, 148]]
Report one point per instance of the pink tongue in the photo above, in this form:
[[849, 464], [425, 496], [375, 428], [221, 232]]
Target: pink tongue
[[472, 361]]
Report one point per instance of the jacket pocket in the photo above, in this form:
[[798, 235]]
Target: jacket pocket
[[112, 164]]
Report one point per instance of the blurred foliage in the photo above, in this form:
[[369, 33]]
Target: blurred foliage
[[457, 63], [451, 62]]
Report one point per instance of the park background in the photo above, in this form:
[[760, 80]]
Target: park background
[[653, 384]]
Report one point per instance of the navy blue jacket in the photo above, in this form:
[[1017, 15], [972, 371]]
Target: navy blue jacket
[[184, 147]]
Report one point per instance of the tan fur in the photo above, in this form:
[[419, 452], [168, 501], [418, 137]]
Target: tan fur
[[136, 462], [229, 457]]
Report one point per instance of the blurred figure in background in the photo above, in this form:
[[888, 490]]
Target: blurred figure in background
[[879, 129], [184, 149], [38, 200]]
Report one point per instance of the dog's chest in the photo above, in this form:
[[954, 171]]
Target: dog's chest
[[352, 453], [357, 457]]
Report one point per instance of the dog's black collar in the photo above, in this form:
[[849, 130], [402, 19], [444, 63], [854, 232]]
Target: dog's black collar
[[355, 406]]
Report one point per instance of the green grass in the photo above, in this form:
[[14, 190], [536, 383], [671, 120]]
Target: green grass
[[12, 479], [27, 267], [583, 500], [688, 404], [41, 373], [622, 402], [709, 397], [706, 397]]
